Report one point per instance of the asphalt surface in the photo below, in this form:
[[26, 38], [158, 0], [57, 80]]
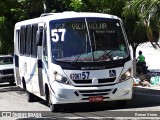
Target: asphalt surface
[[145, 100]]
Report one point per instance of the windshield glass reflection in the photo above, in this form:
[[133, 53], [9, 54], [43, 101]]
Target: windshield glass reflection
[[87, 40]]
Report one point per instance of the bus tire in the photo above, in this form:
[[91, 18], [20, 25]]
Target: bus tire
[[11, 83], [47, 94], [30, 97], [121, 103], [24, 84], [53, 107]]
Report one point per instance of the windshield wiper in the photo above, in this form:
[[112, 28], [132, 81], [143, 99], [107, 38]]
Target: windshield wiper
[[79, 53], [83, 47], [106, 53], [89, 39]]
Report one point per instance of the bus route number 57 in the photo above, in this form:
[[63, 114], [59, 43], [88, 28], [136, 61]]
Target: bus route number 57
[[57, 34]]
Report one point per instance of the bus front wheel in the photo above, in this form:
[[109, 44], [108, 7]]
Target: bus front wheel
[[121, 103], [53, 107], [30, 97]]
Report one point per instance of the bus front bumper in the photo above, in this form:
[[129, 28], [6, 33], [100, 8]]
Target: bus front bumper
[[70, 94]]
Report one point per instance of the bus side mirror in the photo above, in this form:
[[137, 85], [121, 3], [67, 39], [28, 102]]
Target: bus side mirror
[[39, 37]]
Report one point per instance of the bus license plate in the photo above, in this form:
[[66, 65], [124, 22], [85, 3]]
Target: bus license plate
[[96, 99]]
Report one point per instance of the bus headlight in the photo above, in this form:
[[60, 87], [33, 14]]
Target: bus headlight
[[125, 76], [61, 79]]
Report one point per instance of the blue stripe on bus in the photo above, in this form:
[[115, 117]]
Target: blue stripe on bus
[[48, 77], [32, 74]]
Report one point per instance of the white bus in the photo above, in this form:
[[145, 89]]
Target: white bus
[[73, 57]]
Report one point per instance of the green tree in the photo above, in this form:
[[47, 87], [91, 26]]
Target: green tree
[[103, 6], [147, 14], [7, 19], [135, 31], [11, 12], [142, 20]]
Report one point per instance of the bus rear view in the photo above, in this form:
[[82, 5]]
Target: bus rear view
[[87, 59]]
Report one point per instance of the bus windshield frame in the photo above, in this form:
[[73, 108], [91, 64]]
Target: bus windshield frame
[[87, 39]]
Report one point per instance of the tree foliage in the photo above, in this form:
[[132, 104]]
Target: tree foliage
[[7, 20], [147, 13]]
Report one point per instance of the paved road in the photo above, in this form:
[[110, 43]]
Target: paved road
[[144, 100]]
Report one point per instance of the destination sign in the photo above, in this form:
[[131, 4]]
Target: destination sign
[[76, 26]]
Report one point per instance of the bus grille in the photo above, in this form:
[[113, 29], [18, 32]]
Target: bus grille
[[107, 80], [87, 93]]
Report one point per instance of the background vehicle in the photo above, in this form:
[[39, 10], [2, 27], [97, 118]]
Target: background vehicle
[[6, 69], [73, 57]]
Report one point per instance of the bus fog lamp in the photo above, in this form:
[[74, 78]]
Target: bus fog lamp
[[61, 96]]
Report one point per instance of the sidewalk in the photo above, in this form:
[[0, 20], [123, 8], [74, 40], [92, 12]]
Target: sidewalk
[[148, 81], [153, 87]]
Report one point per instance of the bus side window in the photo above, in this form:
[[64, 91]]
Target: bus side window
[[18, 39], [22, 40], [45, 54], [33, 41], [28, 39]]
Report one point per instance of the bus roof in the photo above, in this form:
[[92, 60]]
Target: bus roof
[[67, 14]]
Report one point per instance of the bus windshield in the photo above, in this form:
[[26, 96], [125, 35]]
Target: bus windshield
[[87, 40]]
